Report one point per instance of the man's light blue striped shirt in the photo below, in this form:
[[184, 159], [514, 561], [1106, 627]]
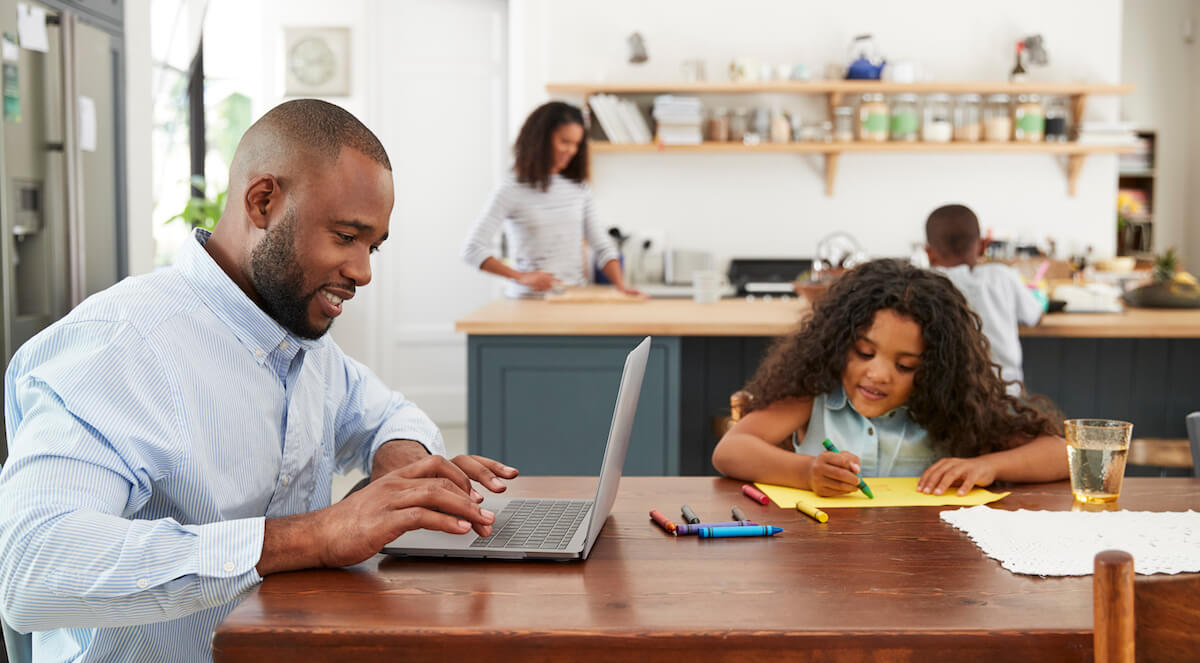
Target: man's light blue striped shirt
[[151, 432]]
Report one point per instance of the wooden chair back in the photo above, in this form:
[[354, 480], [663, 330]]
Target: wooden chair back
[[1150, 619]]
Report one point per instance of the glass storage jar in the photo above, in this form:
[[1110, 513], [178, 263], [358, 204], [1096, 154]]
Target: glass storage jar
[[1056, 120], [968, 124], [718, 125], [997, 119], [905, 121], [937, 126], [739, 123], [873, 118], [1029, 119], [843, 124]]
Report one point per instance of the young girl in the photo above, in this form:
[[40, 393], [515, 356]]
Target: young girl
[[546, 209], [893, 367]]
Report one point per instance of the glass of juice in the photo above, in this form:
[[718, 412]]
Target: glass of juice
[[1096, 450]]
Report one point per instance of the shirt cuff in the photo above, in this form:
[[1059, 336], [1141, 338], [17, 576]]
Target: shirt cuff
[[226, 556]]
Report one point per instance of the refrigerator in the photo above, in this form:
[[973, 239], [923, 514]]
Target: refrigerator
[[62, 207]]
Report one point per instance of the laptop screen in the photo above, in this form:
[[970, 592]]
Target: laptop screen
[[618, 439]]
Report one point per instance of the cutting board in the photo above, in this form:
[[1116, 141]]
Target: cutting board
[[592, 295]]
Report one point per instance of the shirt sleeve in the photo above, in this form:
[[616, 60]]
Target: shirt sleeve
[[596, 236], [372, 415], [88, 440], [480, 244], [1029, 310]]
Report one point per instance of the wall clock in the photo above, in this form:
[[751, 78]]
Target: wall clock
[[317, 62]]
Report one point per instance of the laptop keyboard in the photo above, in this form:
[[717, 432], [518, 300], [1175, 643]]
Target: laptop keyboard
[[541, 524]]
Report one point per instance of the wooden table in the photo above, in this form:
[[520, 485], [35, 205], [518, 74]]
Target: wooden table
[[872, 584]]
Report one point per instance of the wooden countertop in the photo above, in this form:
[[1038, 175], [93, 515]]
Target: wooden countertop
[[739, 317]]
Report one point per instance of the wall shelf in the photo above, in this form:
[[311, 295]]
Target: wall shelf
[[1074, 152], [836, 92]]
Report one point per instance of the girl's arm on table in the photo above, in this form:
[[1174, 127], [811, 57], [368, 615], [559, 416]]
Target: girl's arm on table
[[1043, 458]]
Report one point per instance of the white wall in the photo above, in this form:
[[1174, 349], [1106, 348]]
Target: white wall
[[428, 77], [769, 205], [1193, 217], [138, 125], [1162, 64]]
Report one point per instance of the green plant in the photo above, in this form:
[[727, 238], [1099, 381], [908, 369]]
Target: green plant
[[1165, 266], [202, 212]]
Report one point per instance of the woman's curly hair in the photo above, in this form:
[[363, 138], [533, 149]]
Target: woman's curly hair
[[958, 396], [534, 150]]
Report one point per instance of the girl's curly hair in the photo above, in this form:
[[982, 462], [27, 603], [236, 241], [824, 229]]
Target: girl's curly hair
[[958, 396], [534, 150]]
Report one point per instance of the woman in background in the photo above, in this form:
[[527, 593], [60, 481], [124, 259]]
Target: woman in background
[[545, 207]]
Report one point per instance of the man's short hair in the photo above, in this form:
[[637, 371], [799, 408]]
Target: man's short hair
[[952, 230], [323, 128]]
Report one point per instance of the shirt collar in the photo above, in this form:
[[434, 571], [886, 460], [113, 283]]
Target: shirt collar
[[837, 400], [259, 332]]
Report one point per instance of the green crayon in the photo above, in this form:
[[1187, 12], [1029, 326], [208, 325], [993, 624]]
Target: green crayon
[[862, 485]]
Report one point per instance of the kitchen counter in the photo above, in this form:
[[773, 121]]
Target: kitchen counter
[[543, 375], [739, 317]]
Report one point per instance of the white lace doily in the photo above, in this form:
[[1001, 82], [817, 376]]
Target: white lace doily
[[1063, 543]]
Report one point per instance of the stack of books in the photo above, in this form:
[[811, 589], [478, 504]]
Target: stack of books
[[678, 120], [1140, 161], [620, 119], [1107, 133]]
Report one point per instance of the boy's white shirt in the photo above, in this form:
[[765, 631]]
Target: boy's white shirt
[[998, 295]]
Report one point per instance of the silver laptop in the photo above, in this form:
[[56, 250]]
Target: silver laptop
[[536, 528]]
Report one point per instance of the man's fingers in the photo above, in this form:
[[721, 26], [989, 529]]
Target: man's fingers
[[440, 495], [437, 466], [500, 469]]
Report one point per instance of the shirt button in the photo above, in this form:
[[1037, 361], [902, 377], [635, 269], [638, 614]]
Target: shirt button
[[871, 431], [258, 354], [284, 345], [286, 479], [228, 566], [142, 583]]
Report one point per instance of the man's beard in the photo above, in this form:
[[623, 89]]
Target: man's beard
[[278, 278]]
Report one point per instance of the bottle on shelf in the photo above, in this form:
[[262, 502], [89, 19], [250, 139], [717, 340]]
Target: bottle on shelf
[[873, 118], [905, 121], [937, 126], [1056, 120], [1029, 119], [997, 119], [1018, 72], [968, 124]]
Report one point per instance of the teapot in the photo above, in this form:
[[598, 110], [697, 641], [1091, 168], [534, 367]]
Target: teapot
[[865, 62]]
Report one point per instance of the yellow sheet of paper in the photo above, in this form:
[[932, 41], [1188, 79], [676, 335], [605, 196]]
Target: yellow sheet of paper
[[889, 491]]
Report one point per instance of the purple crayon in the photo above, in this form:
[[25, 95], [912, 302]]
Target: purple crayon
[[722, 532], [695, 529]]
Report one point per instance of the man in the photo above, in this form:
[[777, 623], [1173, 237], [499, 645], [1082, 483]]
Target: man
[[173, 438]]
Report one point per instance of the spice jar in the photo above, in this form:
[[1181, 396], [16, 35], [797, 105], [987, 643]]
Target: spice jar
[[1056, 120], [718, 125], [738, 124], [905, 121], [781, 129], [997, 122], [1029, 119], [843, 124], [968, 126], [937, 126], [873, 118]]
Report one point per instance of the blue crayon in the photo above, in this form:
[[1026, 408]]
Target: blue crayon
[[720, 532], [695, 529]]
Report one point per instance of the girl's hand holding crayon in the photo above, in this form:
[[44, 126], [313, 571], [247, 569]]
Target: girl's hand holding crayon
[[834, 473], [967, 472]]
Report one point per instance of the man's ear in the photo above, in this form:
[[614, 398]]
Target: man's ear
[[933, 255], [262, 195], [983, 244]]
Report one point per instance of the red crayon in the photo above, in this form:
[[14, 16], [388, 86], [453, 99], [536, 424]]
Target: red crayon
[[755, 494], [662, 521]]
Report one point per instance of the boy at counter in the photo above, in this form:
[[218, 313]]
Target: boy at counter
[[994, 291]]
